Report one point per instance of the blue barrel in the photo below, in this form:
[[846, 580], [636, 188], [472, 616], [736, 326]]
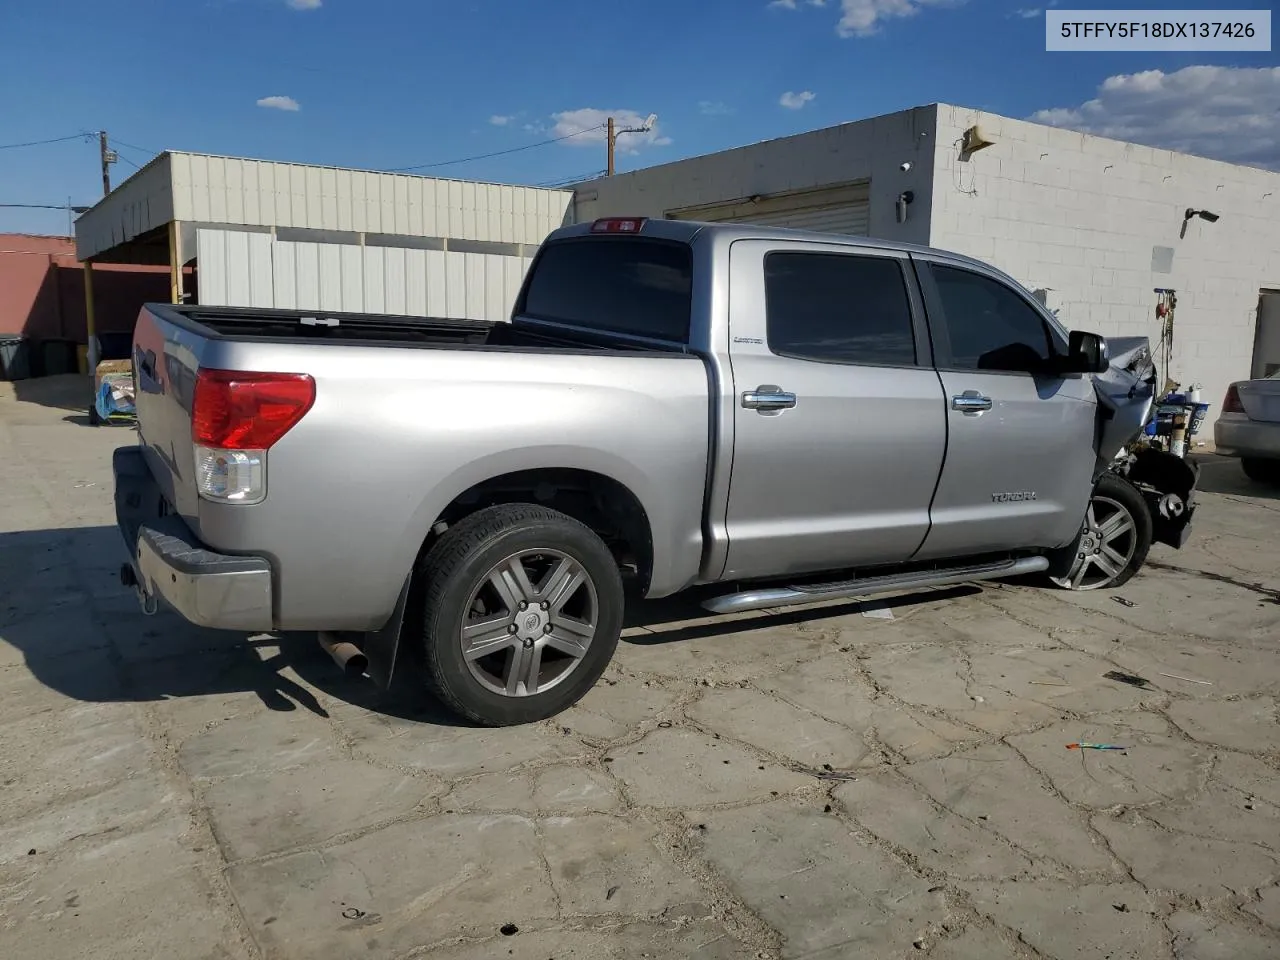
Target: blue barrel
[[1197, 418]]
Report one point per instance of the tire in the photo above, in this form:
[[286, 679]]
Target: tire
[[481, 570], [1108, 558], [1262, 471]]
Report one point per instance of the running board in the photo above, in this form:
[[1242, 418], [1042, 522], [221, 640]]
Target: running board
[[767, 597]]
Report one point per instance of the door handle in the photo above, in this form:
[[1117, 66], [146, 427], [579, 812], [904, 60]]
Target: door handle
[[768, 397], [971, 402]]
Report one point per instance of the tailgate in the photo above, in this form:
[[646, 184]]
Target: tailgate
[[166, 358]]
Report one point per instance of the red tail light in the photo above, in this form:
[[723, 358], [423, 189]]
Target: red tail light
[[235, 410], [618, 225], [1231, 402]]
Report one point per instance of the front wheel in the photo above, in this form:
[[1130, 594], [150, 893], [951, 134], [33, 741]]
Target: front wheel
[[1116, 538], [523, 611]]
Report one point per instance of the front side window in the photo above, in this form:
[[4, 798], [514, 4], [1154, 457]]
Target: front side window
[[990, 327], [838, 308]]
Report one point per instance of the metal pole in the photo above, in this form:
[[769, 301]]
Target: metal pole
[[89, 325], [175, 264], [106, 169], [612, 137]]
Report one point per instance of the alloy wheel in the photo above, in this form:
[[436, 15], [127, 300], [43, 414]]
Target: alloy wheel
[[1106, 547], [530, 620]]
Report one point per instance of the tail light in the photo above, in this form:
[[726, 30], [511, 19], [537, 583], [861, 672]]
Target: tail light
[[236, 417], [1231, 402]]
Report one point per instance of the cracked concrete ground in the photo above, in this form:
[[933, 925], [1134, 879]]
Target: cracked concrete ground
[[817, 783]]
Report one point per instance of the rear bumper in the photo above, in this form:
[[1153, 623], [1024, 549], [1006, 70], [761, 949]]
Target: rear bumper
[[170, 564], [1247, 438]]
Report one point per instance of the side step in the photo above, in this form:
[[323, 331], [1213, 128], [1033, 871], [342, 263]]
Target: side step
[[766, 597]]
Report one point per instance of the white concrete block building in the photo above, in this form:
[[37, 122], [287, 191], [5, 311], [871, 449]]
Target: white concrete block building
[[1094, 225]]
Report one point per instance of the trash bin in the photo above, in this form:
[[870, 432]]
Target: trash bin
[[115, 346], [15, 358], [57, 357]]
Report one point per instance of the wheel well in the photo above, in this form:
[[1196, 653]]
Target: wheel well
[[606, 506]]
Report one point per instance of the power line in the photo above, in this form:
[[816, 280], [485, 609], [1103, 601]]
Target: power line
[[40, 143], [565, 181], [42, 206], [498, 153], [118, 142]]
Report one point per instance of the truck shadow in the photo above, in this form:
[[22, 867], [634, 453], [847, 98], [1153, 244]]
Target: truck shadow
[[66, 619], [681, 618]]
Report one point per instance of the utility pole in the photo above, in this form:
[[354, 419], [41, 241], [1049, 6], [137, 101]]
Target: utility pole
[[108, 157], [612, 139], [614, 133]]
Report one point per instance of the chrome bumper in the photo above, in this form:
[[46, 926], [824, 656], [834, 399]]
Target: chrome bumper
[[168, 563]]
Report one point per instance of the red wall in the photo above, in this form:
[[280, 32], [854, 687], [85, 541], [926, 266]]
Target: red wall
[[42, 290]]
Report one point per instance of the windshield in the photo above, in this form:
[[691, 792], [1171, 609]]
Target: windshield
[[633, 286]]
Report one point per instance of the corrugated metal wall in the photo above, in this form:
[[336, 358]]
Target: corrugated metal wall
[[238, 268], [210, 189]]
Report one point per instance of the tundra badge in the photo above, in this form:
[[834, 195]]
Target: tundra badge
[[1010, 497]]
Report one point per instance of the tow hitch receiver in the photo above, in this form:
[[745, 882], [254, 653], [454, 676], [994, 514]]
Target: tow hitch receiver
[[129, 579]]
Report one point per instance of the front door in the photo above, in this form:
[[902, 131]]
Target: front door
[[839, 425], [1020, 443]]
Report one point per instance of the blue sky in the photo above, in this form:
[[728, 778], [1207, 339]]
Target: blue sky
[[394, 83]]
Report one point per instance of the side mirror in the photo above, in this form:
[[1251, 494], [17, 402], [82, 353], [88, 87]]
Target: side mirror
[[1087, 353]]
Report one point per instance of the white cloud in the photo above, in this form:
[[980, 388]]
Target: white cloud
[[1226, 113], [280, 103], [861, 18], [714, 108], [795, 101], [587, 127], [1028, 13], [304, 4], [500, 120]]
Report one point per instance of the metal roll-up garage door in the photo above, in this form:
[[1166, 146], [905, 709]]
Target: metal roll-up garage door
[[841, 209]]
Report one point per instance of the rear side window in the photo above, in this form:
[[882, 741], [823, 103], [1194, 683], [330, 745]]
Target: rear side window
[[838, 308], [621, 285]]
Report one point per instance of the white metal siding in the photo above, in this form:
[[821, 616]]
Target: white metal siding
[[238, 268], [231, 190], [844, 209], [140, 204]]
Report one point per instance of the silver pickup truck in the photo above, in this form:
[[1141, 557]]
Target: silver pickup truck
[[776, 417]]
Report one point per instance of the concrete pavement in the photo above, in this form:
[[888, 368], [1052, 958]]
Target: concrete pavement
[[822, 783]]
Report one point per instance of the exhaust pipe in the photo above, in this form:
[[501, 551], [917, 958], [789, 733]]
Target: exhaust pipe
[[344, 653]]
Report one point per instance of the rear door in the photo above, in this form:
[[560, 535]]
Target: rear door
[[839, 423], [1020, 444]]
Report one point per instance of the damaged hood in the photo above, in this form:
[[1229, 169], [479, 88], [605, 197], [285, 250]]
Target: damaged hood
[[1126, 393]]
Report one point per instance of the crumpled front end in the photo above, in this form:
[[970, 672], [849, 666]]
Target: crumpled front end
[[1126, 396]]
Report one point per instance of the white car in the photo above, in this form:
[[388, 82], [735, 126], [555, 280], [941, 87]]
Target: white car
[[1249, 427]]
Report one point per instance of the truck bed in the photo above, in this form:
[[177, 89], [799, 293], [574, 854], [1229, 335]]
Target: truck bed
[[369, 329]]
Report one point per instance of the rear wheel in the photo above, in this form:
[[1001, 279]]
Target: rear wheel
[[1115, 540], [522, 615], [1263, 471]]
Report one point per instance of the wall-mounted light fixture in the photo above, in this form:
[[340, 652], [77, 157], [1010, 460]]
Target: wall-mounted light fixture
[[1202, 214], [904, 198]]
